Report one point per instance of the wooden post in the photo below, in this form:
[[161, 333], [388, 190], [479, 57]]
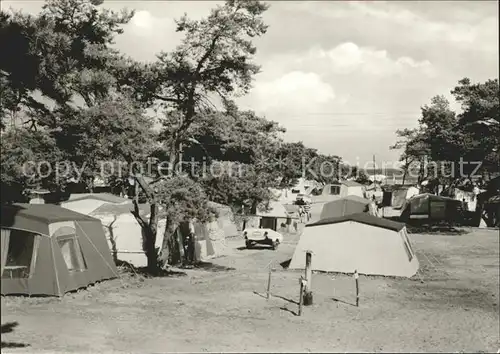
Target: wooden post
[[269, 283], [356, 278], [301, 295], [308, 297]]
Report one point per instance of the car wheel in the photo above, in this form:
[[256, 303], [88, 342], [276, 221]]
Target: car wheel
[[276, 244], [248, 244]]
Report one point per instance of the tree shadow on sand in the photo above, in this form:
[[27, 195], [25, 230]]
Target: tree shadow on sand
[[9, 328], [288, 310], [130, 269], [278, 296], [211, 267], [244, 248], [343, 302]]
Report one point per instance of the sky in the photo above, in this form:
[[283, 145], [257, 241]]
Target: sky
[[341, 76]]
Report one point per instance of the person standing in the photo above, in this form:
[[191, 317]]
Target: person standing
[[189, 245], [307, 211], [301, 214]]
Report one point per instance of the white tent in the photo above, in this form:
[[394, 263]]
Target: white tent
[[86, 203], [340, 190], [303, 186], [211, 236], [273, 210], [274, 216], [362, 242], [411, 192], [123, 232]]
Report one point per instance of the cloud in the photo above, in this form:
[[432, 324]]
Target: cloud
[[145, 24], [293, 90], [418, 26], [348, 58], [143, 20]]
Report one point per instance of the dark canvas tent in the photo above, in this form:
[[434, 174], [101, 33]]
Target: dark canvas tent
[[351, 204], [395, 196], [49, 250], [430, 206]]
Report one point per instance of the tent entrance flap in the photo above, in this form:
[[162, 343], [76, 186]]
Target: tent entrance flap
[[5, 236], [45, 253], [19, 251]]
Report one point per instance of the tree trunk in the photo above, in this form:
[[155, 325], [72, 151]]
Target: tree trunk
[[406, 168], [170, 253], [421, 171], [174, 158], [90, 184], [149, 227], [253, 208], [151, 253], [136, 192], [180, 247]]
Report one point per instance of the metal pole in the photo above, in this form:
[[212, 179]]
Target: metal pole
[[356, 278], [308, 297], [301, 295]]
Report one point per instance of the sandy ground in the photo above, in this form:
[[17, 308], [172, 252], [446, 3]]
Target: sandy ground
[[223, 308]]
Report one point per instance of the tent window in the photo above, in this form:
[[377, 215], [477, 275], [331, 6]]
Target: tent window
[[437, 209], [70, 249], [335, 190], [419, 206], [19, 255]]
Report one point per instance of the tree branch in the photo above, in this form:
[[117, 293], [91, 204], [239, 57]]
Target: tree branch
[[167, 99]]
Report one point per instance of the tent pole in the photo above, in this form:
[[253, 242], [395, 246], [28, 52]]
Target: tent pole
[[55, 266], [97, 250]]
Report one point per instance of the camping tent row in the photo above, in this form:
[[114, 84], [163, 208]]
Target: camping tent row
[[362, 242], [48, 250], [431, 207], [125, 236], [289, 195], [340, 190], [396, 196]]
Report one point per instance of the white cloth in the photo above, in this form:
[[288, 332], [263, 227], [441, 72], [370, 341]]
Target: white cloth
[[5, 236]]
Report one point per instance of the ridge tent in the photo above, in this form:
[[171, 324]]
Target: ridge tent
[[433, 207], [396, 196], [123, 232], [340, 190], [86, 203], [211, 236], [374, 190], [351, 204], [362, 242], [49, 250], [273, 216]]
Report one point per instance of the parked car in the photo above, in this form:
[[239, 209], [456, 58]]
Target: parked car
[[304, 197], [263, 237]]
